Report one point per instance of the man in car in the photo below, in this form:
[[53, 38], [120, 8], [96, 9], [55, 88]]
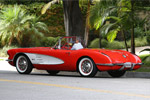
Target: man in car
[[77, 45]]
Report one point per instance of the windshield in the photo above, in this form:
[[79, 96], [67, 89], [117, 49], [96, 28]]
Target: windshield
[[65, 43]]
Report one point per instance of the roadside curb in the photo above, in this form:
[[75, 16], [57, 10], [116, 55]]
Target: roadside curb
[[128, 74], [138, 74]]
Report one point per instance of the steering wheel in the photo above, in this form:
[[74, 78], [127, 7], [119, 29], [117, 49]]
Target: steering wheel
[[66, 46]]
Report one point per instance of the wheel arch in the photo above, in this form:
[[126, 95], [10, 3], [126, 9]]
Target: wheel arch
[[17, 55], [77, 63]]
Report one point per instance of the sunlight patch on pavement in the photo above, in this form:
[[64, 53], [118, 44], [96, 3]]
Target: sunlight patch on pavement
[[77, 88], [5, 66]]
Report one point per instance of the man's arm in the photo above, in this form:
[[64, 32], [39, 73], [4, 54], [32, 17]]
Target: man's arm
[[73, 47]]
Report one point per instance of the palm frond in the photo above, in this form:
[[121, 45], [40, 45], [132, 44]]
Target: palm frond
[[48, 5], [105, 29], [15, 20], [42, 26], [99, 13], [112, 34]]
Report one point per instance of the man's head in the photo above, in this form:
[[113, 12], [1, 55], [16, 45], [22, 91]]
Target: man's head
[[77, 40]]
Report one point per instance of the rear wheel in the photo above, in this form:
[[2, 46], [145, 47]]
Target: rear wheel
[[23, 65], [52, 72], [116, 73], [87, 67]]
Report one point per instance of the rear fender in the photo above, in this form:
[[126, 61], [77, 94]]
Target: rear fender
[[97, 58]]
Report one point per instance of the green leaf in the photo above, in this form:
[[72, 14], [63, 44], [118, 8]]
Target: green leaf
[[112, 35], [47, 6]]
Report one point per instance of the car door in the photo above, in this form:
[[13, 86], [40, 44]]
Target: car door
[[63, 56]]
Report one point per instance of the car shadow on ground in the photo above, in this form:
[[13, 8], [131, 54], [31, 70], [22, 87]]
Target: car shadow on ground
[[98, 75], [77, 75]]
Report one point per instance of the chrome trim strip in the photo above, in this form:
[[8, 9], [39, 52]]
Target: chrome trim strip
[[119, 64], [8, 60], [106, 64], [44, 59], [104, 54]]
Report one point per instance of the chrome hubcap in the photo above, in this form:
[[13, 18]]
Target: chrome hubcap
[[22, 64], [86, 66]]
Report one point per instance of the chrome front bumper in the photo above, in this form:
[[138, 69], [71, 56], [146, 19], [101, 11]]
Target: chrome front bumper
[[124, 65], [8, 60]]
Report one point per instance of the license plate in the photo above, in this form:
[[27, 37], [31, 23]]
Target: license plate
[[128, 65]]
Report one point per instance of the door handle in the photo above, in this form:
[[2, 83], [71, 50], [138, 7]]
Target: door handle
[[68, 53]]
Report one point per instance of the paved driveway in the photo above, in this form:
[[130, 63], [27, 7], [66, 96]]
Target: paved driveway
[[71, 86]]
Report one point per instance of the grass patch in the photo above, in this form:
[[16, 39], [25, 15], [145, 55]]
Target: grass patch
[[146, 66], [145, 61], [1, 59], [143, 69]]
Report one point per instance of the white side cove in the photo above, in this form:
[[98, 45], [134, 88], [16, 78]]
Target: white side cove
[[44, 59]]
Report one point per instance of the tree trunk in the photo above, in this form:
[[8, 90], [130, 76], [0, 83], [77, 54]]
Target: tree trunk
[[10, 40], [100, 40], [132, 28], [86, 35], [73, 18], [125, 42]]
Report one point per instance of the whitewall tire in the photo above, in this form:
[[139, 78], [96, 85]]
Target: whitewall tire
[[87, 67], [23, 65]]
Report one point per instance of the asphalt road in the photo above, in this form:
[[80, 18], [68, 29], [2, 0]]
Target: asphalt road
[[41, 86]]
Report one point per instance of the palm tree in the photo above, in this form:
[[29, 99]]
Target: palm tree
[[15, 23], [123, 19], [34, 31], [99, 14]]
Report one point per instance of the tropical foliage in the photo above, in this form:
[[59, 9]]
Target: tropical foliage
[[115, 16], [147, 55], [15, 23]]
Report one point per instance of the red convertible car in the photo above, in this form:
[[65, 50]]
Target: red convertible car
[[61, 58]]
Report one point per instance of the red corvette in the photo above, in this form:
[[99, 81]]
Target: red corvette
[[61, 58]]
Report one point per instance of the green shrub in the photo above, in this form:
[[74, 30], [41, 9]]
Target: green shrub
[[95, 43], [116, 45], [148, 39], [3, 50], [49, 41], [106, 44], [141, 41]]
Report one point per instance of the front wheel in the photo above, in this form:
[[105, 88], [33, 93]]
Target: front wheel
[[23, 65], [116, 73], [87, 67]]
